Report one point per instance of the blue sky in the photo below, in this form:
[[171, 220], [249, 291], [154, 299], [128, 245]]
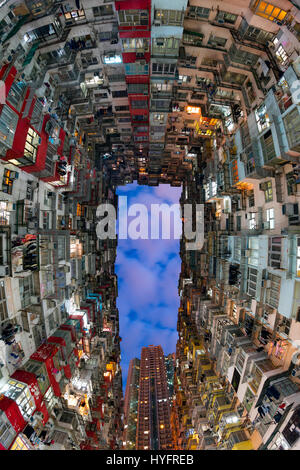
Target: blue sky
[[148, 273]]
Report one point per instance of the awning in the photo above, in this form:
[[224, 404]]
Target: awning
[[30, 54], [16, 28]]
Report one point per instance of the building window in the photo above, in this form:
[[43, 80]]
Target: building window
[[8, 123], [284, 323], [269, 11], [252, 282], [3, 305], [216, 41], [169, 17], [19, 444], [26, 290], [159, 117], [139, 104], [201, 12], [122, 108], [251, 199], [275, 252], [46, 220], [138, 88], [267, 188], [164, 87], [124, 119], [281, 55], [253, 245], [238, 223], [258, 35], [192, 38], [61, 248], [8, 179], [136, 69], [112, 59], [165, 45], [292, 127], [271, 218], [74, 15], [225, 17], [119, 94], [104, 10], [16, 95], [43, 33], [37, 116], [7, 432], [262, 118], [252, 221], [290, 183], [267, 145], [135, 45], [19, 393], [133, 17], [31, 145], [163, 69]]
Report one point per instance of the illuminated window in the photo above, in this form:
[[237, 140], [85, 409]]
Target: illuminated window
[[31, 145], [267, 188], [169, 17], [262, 118], [79, 211], [269, 11], [135, 45], [19, 444], [74, 16], [252, 222], [281, 55], [271, 218], [19, 393], [112, 59]]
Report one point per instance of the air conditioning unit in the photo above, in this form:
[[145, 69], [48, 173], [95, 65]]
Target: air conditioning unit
[[4, 271], [50, 246], [266, 225], [267, 283], [249, 378], [157, 23], [67, 269], [35, 299], [247, 253], [142, 62]]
